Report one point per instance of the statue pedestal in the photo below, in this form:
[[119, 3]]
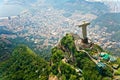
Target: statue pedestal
[[85, 40], [82, 44]]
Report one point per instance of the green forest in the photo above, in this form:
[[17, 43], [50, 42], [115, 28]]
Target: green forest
[[65, 63]]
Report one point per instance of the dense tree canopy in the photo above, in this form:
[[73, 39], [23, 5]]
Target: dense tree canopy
[[24, 64]]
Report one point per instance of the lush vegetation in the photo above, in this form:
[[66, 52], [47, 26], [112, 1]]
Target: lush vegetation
[[24, 64], [5, 49], [8, 44], [66, 63], [76, 61]]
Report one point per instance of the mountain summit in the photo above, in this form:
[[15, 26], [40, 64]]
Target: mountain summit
[[94, 63]]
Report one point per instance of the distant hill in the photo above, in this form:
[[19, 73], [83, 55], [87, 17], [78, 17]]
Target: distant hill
[[97, 8], [111, 21], [20, 2], [24, 64], [112, 4], [5, 49], [3, 31], [7, 46]]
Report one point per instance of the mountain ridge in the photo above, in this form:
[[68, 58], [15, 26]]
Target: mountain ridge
[[66, 63], [24, 64]]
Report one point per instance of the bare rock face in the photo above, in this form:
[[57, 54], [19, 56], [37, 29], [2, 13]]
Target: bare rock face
[[51, 77], [80, 43]]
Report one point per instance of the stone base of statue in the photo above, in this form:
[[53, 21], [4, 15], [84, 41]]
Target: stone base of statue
[[83, 44], [85, 40]]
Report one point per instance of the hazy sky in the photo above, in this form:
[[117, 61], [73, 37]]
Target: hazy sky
[[103, 0], [9, 10]]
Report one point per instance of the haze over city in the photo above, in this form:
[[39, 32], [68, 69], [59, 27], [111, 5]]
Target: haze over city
[[59, 39]]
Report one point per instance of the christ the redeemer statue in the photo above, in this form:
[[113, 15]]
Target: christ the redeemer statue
[[84, 31]]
